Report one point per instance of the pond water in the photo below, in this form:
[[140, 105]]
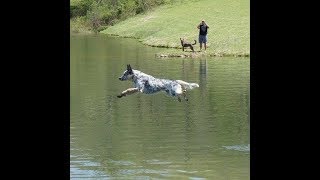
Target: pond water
[[155, 136]]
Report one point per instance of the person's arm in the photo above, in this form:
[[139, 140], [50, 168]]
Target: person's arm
[[206, 25], [198, 26]]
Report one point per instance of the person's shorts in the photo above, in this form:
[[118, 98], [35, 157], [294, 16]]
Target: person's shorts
[[202, 38]]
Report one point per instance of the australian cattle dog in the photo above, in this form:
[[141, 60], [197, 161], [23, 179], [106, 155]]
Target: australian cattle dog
[[148, 84], [187, 44]]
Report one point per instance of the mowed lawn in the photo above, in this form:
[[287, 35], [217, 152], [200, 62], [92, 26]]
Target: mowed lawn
[[229, 22]]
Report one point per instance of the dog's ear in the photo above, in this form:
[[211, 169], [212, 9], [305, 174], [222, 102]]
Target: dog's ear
[[129, 68]]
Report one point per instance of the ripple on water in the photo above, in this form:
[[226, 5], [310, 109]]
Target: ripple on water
[[244, 148]]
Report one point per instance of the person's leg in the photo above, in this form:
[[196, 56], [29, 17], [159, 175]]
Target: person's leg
[[200, 42], [205, 42]]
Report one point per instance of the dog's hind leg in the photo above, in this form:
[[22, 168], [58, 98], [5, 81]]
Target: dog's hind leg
[[191, 48], [128, 92]]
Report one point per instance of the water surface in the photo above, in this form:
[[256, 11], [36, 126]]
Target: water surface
[[155, 136]]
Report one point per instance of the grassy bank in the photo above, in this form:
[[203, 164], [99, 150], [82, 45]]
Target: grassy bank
[[79, 25], [228, 35], [94, 16]]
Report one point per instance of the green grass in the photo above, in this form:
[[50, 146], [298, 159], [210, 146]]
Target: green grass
[[78, 25], [74, 2], [229, 32]]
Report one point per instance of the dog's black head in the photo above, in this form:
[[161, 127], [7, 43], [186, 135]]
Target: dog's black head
[[127, 74], [182, 41]]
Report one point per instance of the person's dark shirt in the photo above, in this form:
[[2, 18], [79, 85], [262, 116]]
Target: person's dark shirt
[[203, 30]]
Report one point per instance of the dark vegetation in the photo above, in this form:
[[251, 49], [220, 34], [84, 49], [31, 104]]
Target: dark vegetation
[[99, 14]]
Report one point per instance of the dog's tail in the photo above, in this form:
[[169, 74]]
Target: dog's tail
[[186, 85], [195, 42]]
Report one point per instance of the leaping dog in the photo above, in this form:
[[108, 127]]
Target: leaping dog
[[148, 84]]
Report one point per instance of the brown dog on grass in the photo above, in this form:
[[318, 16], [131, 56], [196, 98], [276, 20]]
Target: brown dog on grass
[[187, 44]]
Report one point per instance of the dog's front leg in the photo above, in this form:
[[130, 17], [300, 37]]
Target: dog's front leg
[[185, 94], [128, 92]]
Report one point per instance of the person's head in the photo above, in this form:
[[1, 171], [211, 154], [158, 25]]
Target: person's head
[[202, 21]]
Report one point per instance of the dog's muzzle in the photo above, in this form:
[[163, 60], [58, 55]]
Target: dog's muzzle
[[120, 78]]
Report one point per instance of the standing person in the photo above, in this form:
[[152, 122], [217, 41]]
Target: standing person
[[203, 27]]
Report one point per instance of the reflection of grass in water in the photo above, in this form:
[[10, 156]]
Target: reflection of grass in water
[[228, 20]]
